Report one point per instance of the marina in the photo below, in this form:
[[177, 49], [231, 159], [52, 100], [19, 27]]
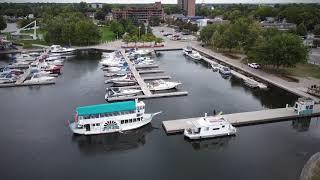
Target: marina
[[241, 119], [46, 132]]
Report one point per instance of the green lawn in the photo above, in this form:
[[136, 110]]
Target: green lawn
[[305, 70], [27, 44], [107, 34]]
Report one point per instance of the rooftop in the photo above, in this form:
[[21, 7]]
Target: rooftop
[[106, 108]]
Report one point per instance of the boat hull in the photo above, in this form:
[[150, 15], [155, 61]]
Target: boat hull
[[147, 119], [209, 136]]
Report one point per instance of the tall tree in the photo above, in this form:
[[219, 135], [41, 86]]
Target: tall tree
[[316, 30], [302, 30], [281, 49], [3, 23]]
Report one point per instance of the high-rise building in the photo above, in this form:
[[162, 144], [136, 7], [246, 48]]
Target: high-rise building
[[188, 7]]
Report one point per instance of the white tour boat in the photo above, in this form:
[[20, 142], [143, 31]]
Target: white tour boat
[[159, 85], [187, 50], [116, 92], [205, 127], [110, 118]]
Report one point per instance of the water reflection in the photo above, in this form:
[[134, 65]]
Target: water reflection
[[213, 143], [91, 145], [301, 124]]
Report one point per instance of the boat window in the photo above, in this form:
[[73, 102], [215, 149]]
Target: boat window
[[223, 126], [141, 118], [122, 121], [93, 124], [215, 129], [130, 121], [80, 117], [126, 121], [134, 120], [98, 124], [207, 129]]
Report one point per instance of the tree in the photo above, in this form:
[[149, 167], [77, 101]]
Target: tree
[[281, 49], [154, 21], [100, 15], [3, 23], [117, 28], [106, 8], [316, 30], [302, 30]]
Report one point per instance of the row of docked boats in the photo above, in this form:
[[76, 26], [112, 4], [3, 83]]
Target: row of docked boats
[[35, 68]]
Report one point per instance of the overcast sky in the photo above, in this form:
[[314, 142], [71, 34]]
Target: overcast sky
[[170, 1]]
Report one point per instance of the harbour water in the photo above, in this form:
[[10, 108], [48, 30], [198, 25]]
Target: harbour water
[[37, 144]]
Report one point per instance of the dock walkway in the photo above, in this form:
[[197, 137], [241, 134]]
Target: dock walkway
[[137, 76], [241, 119]]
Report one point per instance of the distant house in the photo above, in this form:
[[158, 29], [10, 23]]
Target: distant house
[[30, 16], [204, 22], [109, 17], [283, 26], [90, 14], [96, 5]]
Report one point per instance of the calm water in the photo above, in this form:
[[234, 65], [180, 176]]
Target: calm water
[[36, 143]]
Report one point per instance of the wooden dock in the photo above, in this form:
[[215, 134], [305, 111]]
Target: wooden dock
[[150, 71], [242, 119], [156, 77], [137, 76], [24, 84], [160, 95], [23, 76], [146, 66], [243, 77]]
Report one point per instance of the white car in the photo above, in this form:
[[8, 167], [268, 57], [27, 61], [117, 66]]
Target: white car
[[254, 65]]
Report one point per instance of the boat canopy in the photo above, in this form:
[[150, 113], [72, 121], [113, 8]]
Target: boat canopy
[[106, 108]]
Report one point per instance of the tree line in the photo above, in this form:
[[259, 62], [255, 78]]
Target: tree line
[[265, 46]]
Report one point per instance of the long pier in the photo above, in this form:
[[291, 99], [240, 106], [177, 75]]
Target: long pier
[[156, 77], [242, 119], [160, 95], [260, 76], [151, 71]]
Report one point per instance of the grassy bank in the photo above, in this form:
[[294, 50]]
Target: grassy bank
[[305, 70], [27, 44], [107, 34]]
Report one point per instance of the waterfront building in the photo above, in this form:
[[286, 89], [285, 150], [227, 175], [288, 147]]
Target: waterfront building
[[204, 22], [283, 26], [188, 6], [96, 5], [143, 13]]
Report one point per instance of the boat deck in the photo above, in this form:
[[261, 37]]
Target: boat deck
[[241, 119]]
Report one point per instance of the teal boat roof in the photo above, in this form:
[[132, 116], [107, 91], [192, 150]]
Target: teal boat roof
[[106, 108]]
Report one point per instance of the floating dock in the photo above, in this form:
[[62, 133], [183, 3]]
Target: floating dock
[[150, 71], [242, 119], [160, 95], [25, 84], [142, 85], [156, 77], [146, 66]]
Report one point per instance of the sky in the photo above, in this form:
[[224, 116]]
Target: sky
[[168, 1]]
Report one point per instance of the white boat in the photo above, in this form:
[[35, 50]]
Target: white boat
[[205, 127], [187, 50], [116, 92], [120, 78], [224, 70], [114, 74], [111, 63], [215, 66], [125, 82], [24, 57], [195, 55], [110, 118], [38, 79], [8, 78], [59, 49], [159, 85], [251, 83]]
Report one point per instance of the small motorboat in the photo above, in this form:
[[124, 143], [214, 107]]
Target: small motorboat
[[8, 78], [61, 50], [187, 50], [120, 78], [111, 63], [24, 57], [195, 55], [214, 66], [205, 127], [116, 92], [160, 85], [251, 83], [124, 83], [114, 74], [38, 79], [224, 70]]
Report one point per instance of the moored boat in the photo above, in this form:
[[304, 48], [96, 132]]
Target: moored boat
[[116, 92], [110, 118], [205, 127], [159, 85]]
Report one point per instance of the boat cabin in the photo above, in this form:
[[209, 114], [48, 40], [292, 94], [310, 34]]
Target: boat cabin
[[110, 116], [304, 106]]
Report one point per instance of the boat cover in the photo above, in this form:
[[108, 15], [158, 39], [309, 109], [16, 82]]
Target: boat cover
[[106, 108]]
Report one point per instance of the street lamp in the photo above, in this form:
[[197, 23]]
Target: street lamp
[[139, 31]]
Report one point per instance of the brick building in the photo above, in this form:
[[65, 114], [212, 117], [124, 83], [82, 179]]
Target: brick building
[[139, 13], [188, 6]]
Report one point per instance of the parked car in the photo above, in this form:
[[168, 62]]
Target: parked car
[[254, 65], [185, 33]]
